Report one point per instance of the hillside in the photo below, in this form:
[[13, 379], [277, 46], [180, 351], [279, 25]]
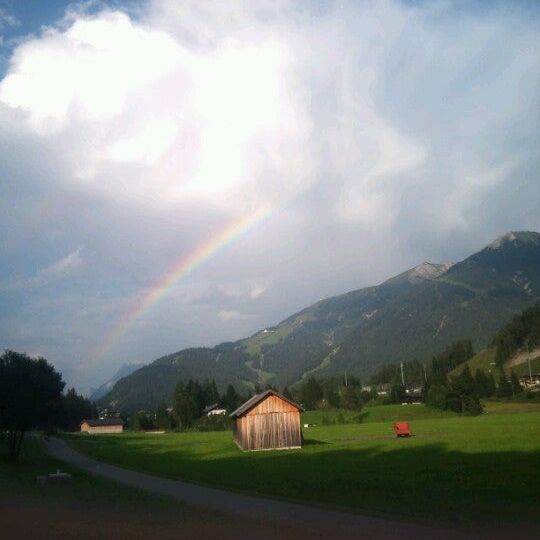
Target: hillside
[[413, 315], [485, 360], [512, 347]]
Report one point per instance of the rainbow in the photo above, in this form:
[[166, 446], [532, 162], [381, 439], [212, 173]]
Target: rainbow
[[182, 268]]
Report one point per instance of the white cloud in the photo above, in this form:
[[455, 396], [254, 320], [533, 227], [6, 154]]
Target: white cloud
[[194, 123], [380, 134], [6, 19], [234, 315], [257, 291], [58, 270]]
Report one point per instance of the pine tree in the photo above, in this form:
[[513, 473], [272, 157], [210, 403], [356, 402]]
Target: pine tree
[[163, 419], [466, 382], [231, 399], [136, 422], [287, 393], [350, 398], [505, 388], [491, 386], [436, 396], [481, 383], [396, 393], [185, 409], [311, 393], [516, 386]]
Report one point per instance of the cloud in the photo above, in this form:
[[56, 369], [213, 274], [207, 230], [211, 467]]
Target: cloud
[[379, 135], [147, 101], [257, 291], [7, 20], [233, 315], [57, 271]]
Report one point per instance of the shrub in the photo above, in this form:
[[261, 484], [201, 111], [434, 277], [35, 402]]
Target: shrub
[[437, 397]]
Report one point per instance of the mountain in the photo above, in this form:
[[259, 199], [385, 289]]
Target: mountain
[[413, 315], [124, 371]]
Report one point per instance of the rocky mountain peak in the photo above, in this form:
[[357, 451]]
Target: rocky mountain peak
[[515, 237], [422, 272]]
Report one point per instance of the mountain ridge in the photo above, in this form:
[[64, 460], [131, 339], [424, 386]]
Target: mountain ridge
[[412, 315]]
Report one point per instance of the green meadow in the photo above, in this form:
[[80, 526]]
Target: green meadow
[[461, 470]]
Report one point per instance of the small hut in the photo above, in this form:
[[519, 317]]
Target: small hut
[[267, 421], [103, 425]]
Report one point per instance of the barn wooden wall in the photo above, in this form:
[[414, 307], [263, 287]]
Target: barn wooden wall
[[273, 423]]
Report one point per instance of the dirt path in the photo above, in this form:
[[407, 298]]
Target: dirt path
[[310, 521]]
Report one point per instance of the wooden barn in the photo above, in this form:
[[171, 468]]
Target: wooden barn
[[104, 425], [267, 421]]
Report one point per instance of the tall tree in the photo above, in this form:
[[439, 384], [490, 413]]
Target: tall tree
[[397, 390], [485, 385], [516, 386], [30, 397], [185, 408], [311, 393], [75, 408], [351, 397], [287, 393], [505, 388], [163, 418], [465, 382], [210, 391], [231, 399]]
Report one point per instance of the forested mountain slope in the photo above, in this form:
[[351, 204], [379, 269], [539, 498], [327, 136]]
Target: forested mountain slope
[[413, 315]]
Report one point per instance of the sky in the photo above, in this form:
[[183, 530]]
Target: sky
[[178, 174]]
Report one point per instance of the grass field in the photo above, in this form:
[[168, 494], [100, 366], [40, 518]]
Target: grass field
[[455, 469], [377, 413]]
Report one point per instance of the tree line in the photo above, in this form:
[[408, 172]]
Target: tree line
[[523, 332], [188, 404], [460, 393], [32, 397]]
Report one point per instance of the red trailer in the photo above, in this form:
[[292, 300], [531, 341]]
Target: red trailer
[[402, 429]]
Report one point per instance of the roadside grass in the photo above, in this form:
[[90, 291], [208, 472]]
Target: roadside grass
[[455, 470], [91, 508], [19, 479]]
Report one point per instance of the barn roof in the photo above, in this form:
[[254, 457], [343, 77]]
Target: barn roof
[[257, 398], [104, 422]]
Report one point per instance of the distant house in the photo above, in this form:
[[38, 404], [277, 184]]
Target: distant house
[[104, 425], [529, 381], [215, 409], [267, 421]]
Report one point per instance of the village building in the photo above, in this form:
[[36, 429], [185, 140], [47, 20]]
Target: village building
[[267, 421], [214, 409], [530, 382], [103, 425]]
